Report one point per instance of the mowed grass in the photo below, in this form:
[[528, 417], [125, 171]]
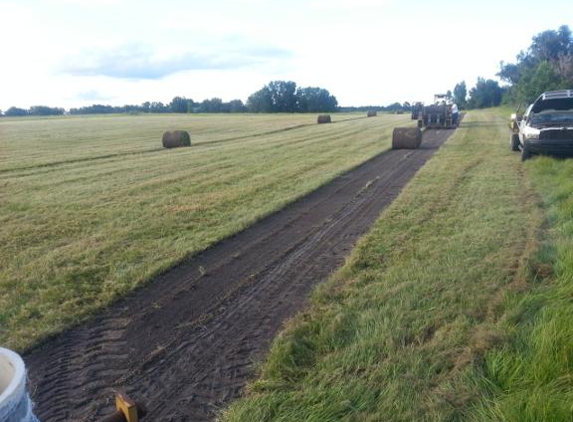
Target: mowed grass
[[57, 140], [92, 207], [413, 326]]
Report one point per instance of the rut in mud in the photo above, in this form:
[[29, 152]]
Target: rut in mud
[[185, 344]]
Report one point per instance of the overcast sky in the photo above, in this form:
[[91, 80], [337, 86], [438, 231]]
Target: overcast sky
[[70, 53]]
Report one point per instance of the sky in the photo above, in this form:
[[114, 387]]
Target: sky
[[72, 53]]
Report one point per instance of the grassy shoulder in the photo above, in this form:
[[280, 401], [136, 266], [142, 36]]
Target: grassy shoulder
[[410, 328], [92, 207], [531, 377]]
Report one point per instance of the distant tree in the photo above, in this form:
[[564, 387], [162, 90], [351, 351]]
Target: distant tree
[[542, 77], [146, 107], [159, 107], [509, 72], [261, 101], [181, 105], [15, 111], [394, 107], [128, 108], [550, 45], [283, 96], [460, 94], [214, 105], [45, 111], [486, 93], [363, 108], [95, 109], [313, 100], [237, 106]]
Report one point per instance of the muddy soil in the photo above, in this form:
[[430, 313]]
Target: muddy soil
[[186, 344]]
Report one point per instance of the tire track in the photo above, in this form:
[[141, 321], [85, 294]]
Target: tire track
[[186, 343]]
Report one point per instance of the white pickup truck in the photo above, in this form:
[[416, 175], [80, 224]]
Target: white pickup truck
[[546, 127]]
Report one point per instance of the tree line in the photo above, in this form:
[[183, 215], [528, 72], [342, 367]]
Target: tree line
[[486, 93], [177, 105], [34, 111], [286, 97], [275, 97], [546, 65]]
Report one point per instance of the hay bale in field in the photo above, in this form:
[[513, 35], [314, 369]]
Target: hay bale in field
[[372, 113], [324, 118], [406, 138], [175, 139]]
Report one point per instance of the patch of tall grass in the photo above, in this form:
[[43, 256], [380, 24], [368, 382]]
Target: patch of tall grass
[[531, 378]]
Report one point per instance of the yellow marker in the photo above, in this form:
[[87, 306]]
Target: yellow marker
[[126, 406]]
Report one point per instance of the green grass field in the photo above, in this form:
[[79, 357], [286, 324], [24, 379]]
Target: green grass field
[[92, 207], [456, 306]]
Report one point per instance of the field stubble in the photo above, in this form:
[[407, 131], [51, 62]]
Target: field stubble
[[92, 207]]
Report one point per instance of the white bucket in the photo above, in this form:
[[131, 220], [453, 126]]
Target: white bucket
[[15, 404]]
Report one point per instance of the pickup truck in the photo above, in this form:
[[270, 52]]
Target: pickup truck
[[546, 127]]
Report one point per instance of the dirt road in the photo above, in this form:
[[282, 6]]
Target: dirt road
[[186, 343]]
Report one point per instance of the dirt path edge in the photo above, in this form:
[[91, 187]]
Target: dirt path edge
[[185, 344]]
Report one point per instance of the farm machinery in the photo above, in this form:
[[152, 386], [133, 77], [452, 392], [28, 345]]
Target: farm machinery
[[442, 114]]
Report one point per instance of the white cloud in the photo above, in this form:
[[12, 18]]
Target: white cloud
[[140, 61]]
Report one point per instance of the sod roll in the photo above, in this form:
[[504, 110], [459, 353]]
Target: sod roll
[[175, 139], [324, 118], [406, 138]]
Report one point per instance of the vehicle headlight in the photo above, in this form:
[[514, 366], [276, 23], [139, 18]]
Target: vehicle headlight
[[531, 133]]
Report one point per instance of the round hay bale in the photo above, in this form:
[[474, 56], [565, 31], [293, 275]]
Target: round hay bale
[[371, 113], [175, 139], [406, 138], [324, 118]]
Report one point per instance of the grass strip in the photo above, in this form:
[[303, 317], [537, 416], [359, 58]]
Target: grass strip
[[402, 331], [531, 377]]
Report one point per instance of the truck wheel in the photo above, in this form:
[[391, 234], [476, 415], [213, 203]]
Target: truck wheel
[[525, 153], [514, 142]]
